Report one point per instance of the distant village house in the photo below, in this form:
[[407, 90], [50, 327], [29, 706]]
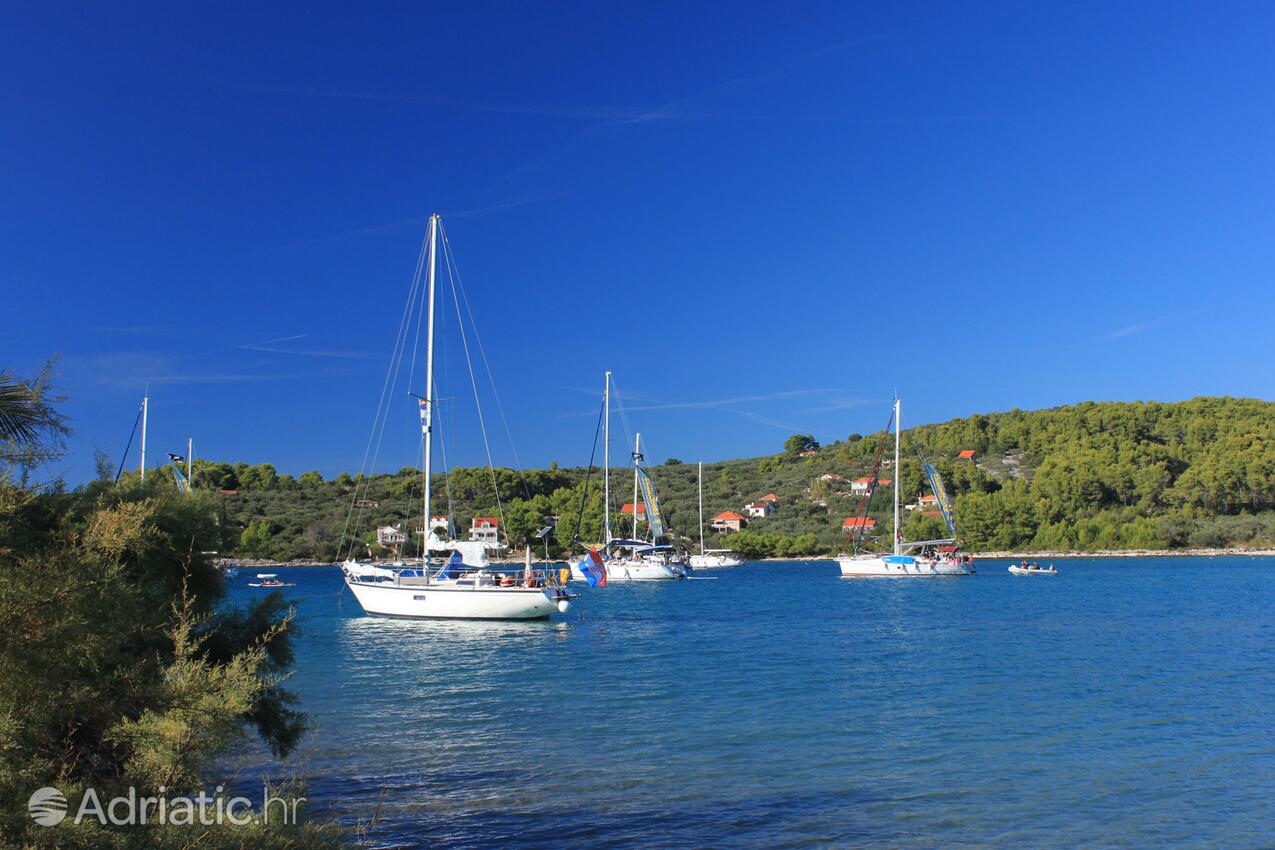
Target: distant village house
[[861, 485], [388, 535], [728, 521], [924, 503], [760, 509]]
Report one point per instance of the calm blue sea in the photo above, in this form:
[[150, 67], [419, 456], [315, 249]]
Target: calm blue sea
[[1123, 703]]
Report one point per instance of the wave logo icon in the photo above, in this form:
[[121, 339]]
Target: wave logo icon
[[47, 806]]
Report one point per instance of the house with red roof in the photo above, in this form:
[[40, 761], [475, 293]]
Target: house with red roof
[[862, 485], [629, 507], [968, 454], [854, 523], [728, 521], [760, 509], [769, 497], [485, 530], [925, 502]]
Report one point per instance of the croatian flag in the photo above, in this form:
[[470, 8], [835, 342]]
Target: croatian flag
[[456, 561], [595, 572]]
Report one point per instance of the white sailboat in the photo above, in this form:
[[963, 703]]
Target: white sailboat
[[633, 559], [644, 560], [918, 558], [710, 559], [459, 590]]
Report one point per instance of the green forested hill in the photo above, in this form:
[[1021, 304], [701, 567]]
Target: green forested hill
[[1087, 476]]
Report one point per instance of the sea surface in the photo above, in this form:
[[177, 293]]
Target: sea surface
[[1123, 703]]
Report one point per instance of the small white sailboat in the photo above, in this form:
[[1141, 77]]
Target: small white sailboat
[[710, 559], [917, 558], [633, 559], [461, 589], [643, 560]]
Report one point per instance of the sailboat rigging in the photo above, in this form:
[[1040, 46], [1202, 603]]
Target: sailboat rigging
[[466, 586]]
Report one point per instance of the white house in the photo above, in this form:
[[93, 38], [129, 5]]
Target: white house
[[485, 530], [760, 509], [388, 535]]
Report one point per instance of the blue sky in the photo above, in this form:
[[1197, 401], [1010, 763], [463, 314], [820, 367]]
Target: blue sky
[[763, 218]]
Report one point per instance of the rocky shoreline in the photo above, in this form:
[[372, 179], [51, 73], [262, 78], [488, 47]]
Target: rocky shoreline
[[1125, 553], [263, 563]]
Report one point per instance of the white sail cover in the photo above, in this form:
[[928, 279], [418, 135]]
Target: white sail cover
[[359, 570], [473, 553]]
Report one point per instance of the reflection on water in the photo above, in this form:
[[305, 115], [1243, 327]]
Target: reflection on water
[[1121, 703]]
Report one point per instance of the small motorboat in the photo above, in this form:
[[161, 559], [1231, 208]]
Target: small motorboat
[[1026, 569], [267, 575], [271, 582]]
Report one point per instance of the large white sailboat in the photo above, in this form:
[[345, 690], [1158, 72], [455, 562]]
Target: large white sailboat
[[710, 559], [917, 558], [465, 587]]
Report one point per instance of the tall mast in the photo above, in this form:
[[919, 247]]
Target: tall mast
[[427, 418], [701, 507], [637, 453], [145, 405], [606, 462], [898, 429]]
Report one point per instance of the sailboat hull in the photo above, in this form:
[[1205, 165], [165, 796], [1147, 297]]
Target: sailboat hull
[[712, 562], [899, 566], [430, 602], [643, 570]]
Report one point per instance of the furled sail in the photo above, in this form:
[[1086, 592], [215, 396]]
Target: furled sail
[[653, 515], [940, 495]]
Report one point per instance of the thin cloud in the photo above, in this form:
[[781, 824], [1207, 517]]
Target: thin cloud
[[842, 404], [703, 404], [370, 230], [1130, 330], [271, 346], [722, 402], [500, 206], [138, 368], [764, 420]]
